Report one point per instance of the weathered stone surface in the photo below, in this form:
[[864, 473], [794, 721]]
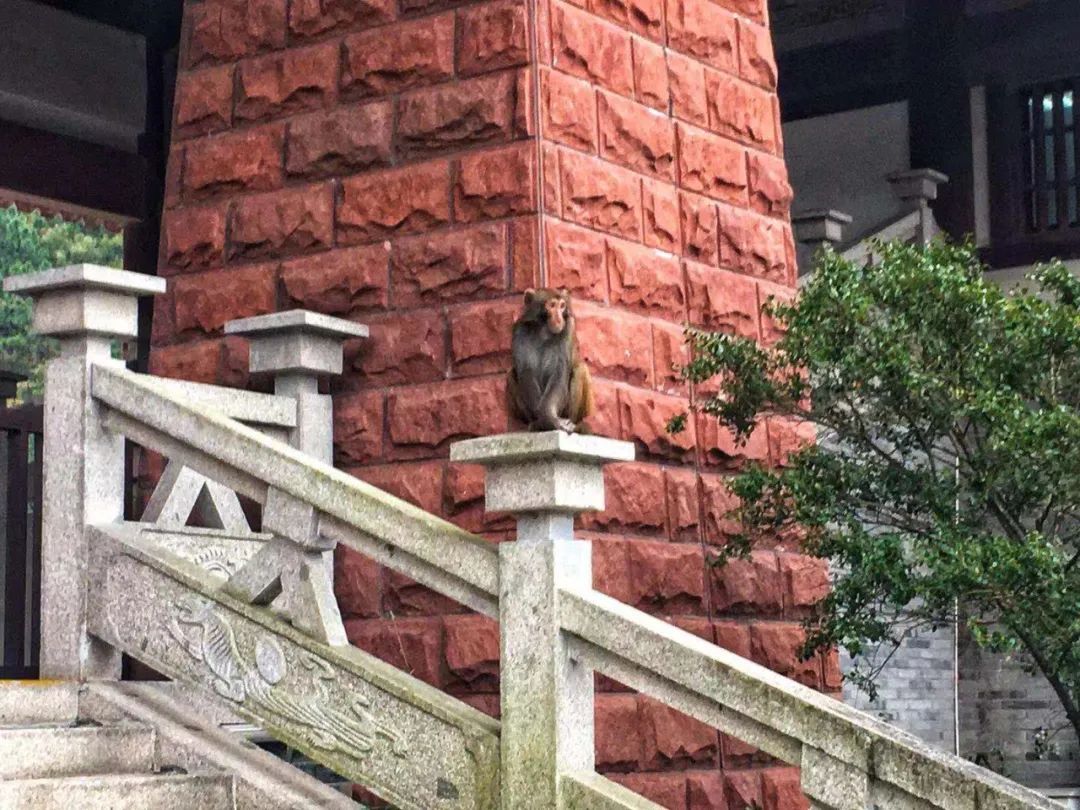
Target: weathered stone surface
[[781, 790], [742, 789], [630, 500], [358, 585], [394, 58], [204, 101], [699, 228], [683, 500], [644, 417], [472, 652], [718, 503], [698, 28], [674, 740], [194, 237], [576, 260], [493, 36], [670, 352], [720, 450], [660, 208], [665, 789], [645, 17], [750, 586], [739, 110], [600, 195], [344, 142], [408, 348], [787, 437], [295, 80], [667, 577], [589, 49], [449, 266], [711, 165], [806, 580], [242, 161], [308, 18], [754, 9], [618, 732], [524, 253], [282, 223], [457, 115], [689, 96], [407, 199], [755, 245], [229, 29], [650, 75], [480, 336], [358, 428], [722, 301], [422, 421], [645, 280], [770, 192], [778, 646], [757, 63], [636, 137], [341, 282], [496, 184], [223, 362], [204, 302], [412, 645], [615, 345], [569, 110], [705, 791]]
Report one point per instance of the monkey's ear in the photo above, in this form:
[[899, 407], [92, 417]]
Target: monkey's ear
[[564, 293], [530, 294]]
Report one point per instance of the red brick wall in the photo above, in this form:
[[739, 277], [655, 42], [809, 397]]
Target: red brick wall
[[382, 161]]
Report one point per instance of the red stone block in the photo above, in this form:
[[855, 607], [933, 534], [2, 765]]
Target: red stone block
[[204, 101], [734, 637], [576, 260], [480, 336], [782, 791], [699, 29], [163, 328], [282, 223], [754, 9], [423, 421], [683, 504], [660, 207], [757, 63], [357, 584], [402, 200], [631, 502], [219, 362], [611, 567], [770, 192], [550, 190], [718, 505], [397, 57], [666, 789], [472, 652], [493, 36], [403, 596], [402, 348], [755, 245], [752, 586], [806, 581], [787, 436], [689, 94], [650, 75], [778, 646], [615, 345], [670, 352], [174, 169], [412, 645], [674, 740], [293, 81], [832, 678], [699, 228], [667, 577], [454, 116], [569, 110], [242, 161], [742, 790], [722, 301], [524, 254], [605, 418], [419, 484], [495, 184], [769, 293], [741, 111], [720, 449], [636, 136], [194, 238], [599, 195], [646, 280], [618, 732], [344, 142], [590, 49], [465, 500], [309, 18], [229, 29], [644, 417], [205, 301], [645, 17], [705, 791], [449, 266], [358, 428], [712, 165], [341, 282]]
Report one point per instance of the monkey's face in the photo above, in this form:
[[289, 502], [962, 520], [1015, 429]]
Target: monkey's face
[[550, 307], [556, 315]]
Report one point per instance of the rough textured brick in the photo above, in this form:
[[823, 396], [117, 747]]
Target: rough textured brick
[[637, 137], [722, 301], [689, 92], [589, 49], [718, 505], [669, 351], [358, 428], [244, 161], [204, 101], [698, 28], [631, 502], [480, 336], [407, 597], [660, 209], [705, 791], [751, 586], [417, 483], [666, 789], [403, 348], [407, 199], [569, 110], [283, 222], [754, 9], [449, 266], [205, 301], [683, 503], [398, 57], [650, 75], [742, 790], [698, 219], [645, 17], [472, 651], [293, 81], [646, 280], [806, 580], [787, 437], [674, 740], [611, 567], [733, 636], [457, 115], [576, 260], [220, 362], [754, 245], [757, 63], [194, 237], [423, 421], [358, 584], [721, 450], [781, 790], [711, 165], [496, 184], [465, 499], [600, 195], [778, 646], [524, 253], [344, 142], [740, 110], [493, 36], [412, 645], [770, 192], [667, 577], [618, 732], [341, 282], [615, 345], [308, 18], [229, 29], [644, 417]]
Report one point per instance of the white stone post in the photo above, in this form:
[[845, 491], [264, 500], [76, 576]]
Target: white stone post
[[547, 698], [820, 228], [85, 307], [918, 188]]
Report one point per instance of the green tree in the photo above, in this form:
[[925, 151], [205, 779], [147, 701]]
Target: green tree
[[30, 242], [947, 465]]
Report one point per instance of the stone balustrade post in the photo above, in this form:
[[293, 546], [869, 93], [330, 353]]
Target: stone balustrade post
[[820, 228], [85, 307], [918, 188], [544, 479]]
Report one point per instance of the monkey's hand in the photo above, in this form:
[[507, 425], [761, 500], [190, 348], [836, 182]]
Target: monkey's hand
[[566, 424]]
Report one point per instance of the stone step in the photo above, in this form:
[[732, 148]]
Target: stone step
[[40, 753], [29, 703], [187, 792]]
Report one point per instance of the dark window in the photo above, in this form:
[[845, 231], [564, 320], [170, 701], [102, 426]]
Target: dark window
[[1051, 153]]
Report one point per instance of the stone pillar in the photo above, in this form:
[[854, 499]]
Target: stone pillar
[[543, 479], [918, 188], [814, 231], [85, 307]]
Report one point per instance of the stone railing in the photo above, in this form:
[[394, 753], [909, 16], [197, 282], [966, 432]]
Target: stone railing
[[249, 617]]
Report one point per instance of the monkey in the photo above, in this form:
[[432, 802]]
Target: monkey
[[548, 387]]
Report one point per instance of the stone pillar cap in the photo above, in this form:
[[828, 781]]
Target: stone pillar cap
[[815, 214], [296, 321], [516, 448], [84, 277], [917, 184]]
